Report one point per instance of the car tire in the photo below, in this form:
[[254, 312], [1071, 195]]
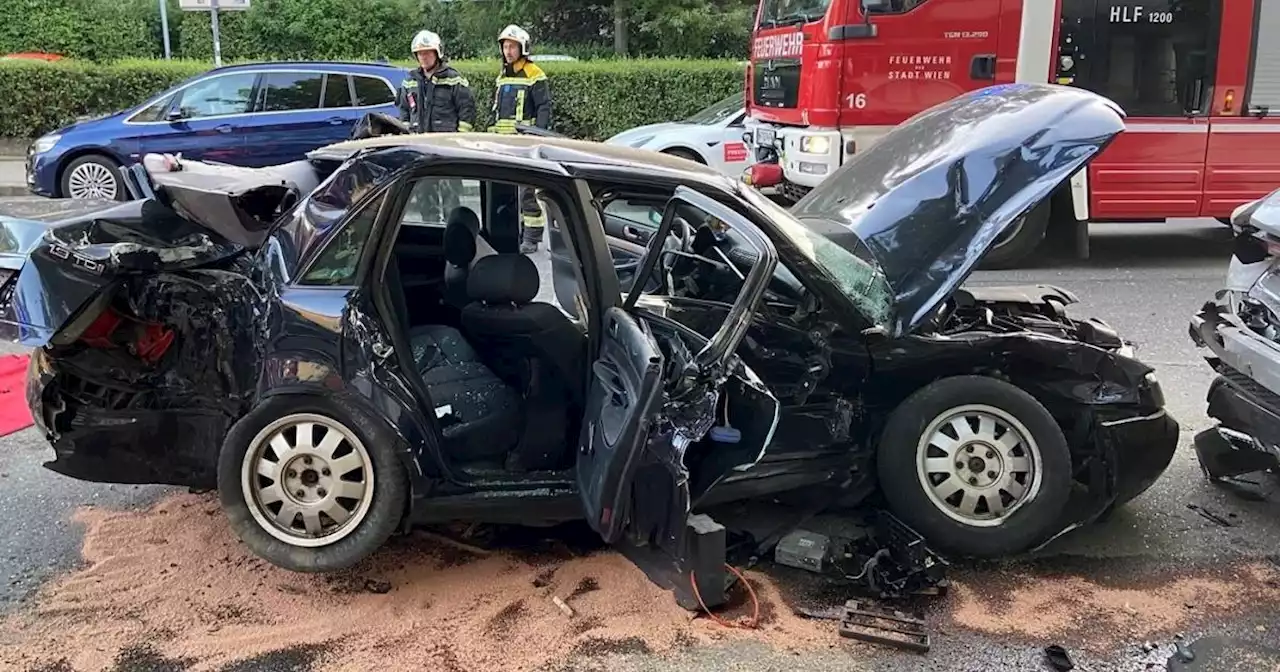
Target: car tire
[[1020, 243], [92, 176], [685, 154], [374, 511], [915, 484]]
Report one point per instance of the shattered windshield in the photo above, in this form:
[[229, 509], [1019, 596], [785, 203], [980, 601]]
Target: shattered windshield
[[774, 13], [719, 111], [856, 275]]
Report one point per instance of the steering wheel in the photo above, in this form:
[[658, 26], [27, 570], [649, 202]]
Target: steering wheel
[[679, 240]]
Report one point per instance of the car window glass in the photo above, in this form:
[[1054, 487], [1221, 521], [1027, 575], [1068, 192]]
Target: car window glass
[[225, 94], [432, 199], [372, 91], [896, 7], [290, 91], [644, 214], [340, 260], [154, 111], [336, 92]]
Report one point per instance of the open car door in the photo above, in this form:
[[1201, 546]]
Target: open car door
[[654, 394]]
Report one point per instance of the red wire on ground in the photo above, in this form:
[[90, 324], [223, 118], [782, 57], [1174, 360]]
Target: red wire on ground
[[749, 624]]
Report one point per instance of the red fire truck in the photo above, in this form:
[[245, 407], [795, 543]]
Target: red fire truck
[[1198, 79]]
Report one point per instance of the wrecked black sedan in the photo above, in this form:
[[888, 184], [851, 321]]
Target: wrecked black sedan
[[349, 345]]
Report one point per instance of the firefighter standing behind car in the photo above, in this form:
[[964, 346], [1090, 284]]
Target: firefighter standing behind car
[[522, 97], [435, 98]]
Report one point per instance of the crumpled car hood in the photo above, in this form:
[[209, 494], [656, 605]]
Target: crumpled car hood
[[931, 198]]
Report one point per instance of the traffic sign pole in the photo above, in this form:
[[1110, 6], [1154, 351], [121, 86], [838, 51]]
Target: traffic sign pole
[[217, 42]]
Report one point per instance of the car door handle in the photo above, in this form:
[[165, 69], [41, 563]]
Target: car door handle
[[982, 67], [611, 379], [632, 233], [225, 128], [336, 121]]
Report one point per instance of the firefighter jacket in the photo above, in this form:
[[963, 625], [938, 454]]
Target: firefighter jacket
[[522, 97], [439, 103]]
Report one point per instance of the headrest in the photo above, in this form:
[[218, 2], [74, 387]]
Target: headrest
[[460, 231], [503, 278]]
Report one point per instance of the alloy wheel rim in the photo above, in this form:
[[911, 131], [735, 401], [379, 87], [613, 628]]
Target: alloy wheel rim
[[308, 480], [92, 181], [978, 464]]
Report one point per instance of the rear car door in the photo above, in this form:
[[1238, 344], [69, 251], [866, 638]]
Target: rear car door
[[640, 419], [206, 121], [288, 121]]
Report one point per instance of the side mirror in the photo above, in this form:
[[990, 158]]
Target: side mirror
[[174, 115]]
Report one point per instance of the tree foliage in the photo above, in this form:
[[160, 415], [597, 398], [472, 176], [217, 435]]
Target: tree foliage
[[108, 30]]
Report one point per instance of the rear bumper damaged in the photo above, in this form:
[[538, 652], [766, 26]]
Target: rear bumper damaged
[[97, 437]]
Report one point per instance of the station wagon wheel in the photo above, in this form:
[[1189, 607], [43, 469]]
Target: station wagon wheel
[[92, 177], [977, 466], [278, 498], [307, 479]]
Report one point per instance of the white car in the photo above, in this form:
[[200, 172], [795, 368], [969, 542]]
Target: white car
[[711, 137]]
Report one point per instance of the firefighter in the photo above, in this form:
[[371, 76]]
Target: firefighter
[[522, 97], [435, 98]]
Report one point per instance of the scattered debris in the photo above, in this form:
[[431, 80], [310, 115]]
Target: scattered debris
[[1058, 658], [1210, 516], [568, 610], [461, 545], [875, 625], [803, 549], [1211, 654], [378, 586]]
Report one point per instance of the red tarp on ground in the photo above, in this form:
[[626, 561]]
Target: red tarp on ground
[[14, 413]]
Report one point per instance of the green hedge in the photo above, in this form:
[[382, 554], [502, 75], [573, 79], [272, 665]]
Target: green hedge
[[593, 99]]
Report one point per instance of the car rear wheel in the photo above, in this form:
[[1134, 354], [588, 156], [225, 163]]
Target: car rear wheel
[[976, 465], [92, 177], [1016, 246], [311, 484]]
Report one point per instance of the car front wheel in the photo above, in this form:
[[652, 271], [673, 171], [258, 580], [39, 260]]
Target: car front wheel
[[93, 177], [311, 484], [977, 466]]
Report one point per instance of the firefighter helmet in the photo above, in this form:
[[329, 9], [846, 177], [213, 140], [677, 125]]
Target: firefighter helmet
[[426, 40], [516, 34]]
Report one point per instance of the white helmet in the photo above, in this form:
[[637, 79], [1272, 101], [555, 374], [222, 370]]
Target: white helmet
[[516, 34], [426, 40]]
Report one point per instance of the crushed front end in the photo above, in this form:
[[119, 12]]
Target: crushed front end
[[1241, 338]]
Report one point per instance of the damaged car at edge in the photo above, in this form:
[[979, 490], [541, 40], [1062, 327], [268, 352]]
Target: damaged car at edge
[[250, 330], [1240, 329]]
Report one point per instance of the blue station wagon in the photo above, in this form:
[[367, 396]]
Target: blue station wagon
[[254, 115]]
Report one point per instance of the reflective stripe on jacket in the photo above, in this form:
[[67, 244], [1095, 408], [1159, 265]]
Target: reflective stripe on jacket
[[441, 103], [521, 96]]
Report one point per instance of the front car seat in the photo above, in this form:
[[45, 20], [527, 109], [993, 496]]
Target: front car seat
[[531, 346]]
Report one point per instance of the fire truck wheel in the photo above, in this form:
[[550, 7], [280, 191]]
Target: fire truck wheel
[[684, 154], [1020, 242]]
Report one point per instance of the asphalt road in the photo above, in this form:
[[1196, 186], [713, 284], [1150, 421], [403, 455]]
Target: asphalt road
[[1145, 279]]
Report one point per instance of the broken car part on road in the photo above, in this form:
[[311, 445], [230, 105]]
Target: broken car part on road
[[720, 349]]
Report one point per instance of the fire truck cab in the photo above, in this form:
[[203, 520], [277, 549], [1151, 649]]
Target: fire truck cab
[[1199, 80]]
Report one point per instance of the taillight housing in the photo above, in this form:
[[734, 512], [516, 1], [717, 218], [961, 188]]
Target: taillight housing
[[148, 341]]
